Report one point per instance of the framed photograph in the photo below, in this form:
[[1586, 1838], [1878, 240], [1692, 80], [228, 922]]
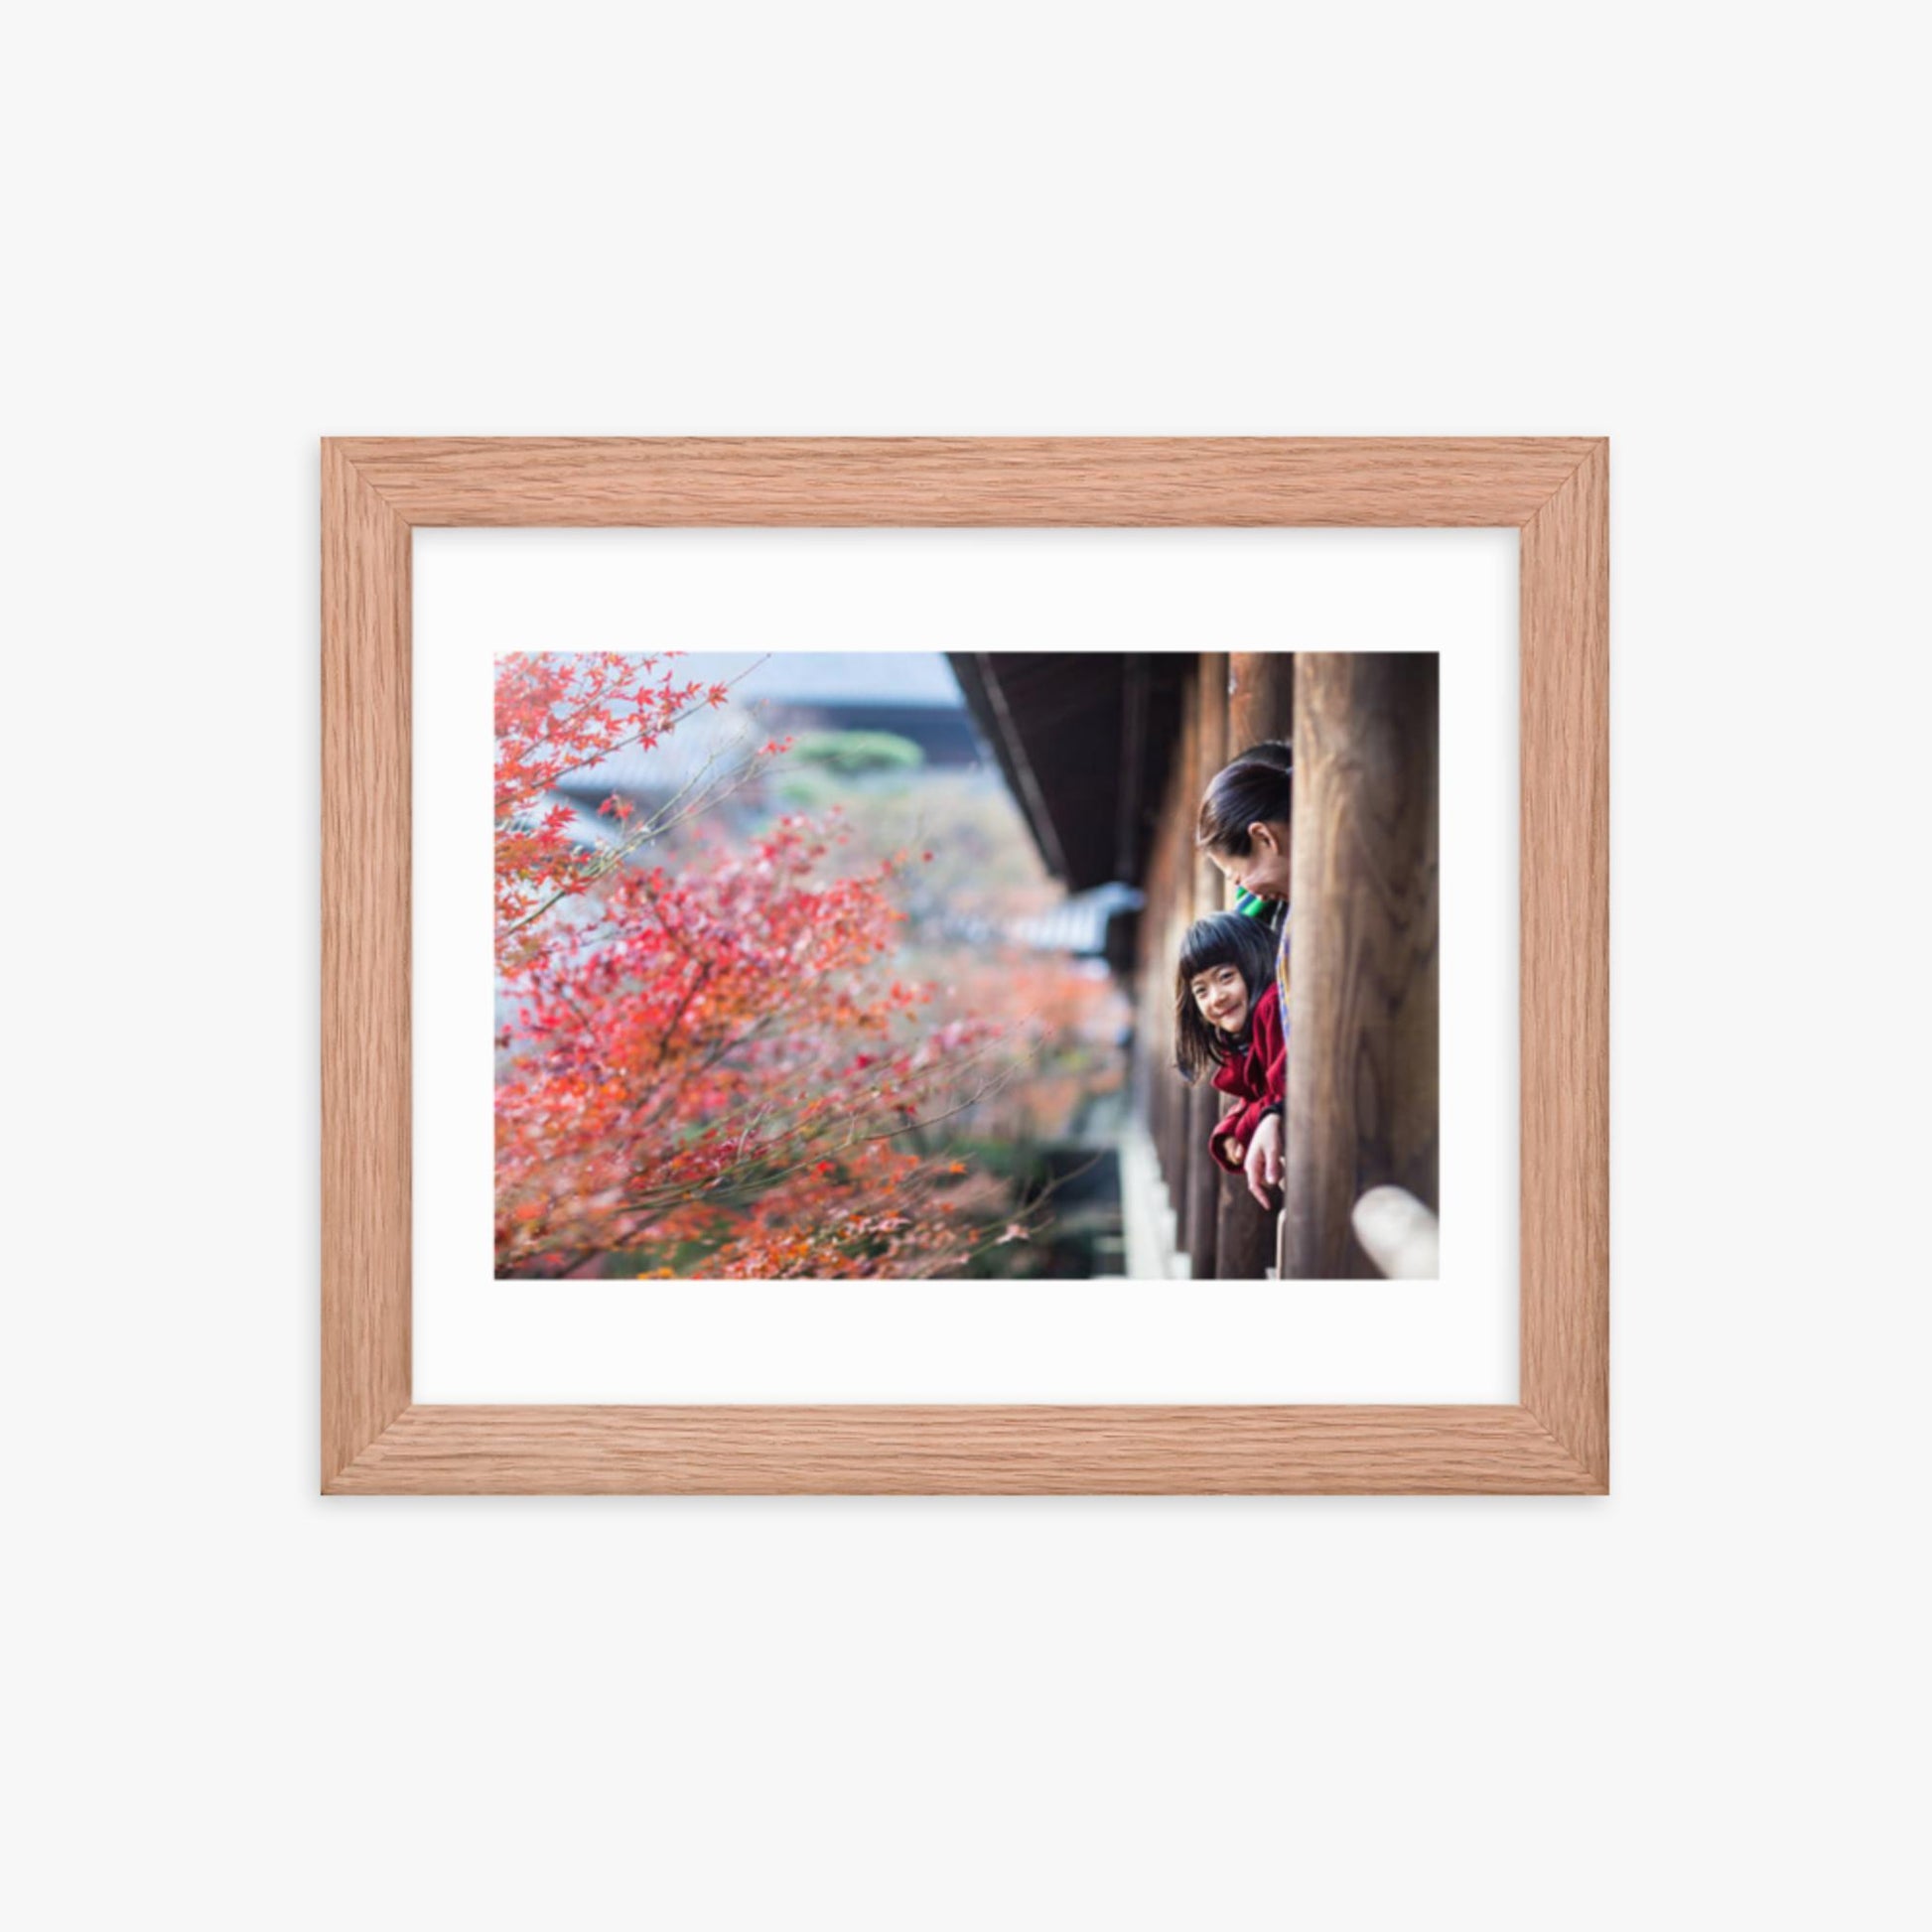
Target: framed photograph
[[965, 966]]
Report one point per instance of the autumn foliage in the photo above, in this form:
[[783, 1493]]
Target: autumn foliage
[[558, 717], [712, 1070]]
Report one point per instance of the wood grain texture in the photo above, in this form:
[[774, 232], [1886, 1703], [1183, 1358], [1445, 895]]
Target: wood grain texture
[[1362, 1068], [366, 1228], [1260, 699], [1261, 708], [965, 1451], [1565, 970], [1205, 1182], [374, 1442], [993, 481]]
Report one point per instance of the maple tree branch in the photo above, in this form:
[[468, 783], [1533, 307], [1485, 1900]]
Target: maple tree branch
[[603, 863], [644, 730]]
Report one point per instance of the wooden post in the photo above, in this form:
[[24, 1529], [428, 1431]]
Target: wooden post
[[1180, 856], [1261, 705], [1204, 1103], [1260, 699], [1157, 927], [1153, 1021], [1363, 961]]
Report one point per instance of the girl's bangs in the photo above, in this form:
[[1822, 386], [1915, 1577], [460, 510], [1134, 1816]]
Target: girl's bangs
[[1202, 950], [1228, 939]]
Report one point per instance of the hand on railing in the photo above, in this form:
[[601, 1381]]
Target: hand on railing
[[1263, 1165]]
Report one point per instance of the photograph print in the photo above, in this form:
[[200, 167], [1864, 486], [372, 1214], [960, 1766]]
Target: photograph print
[[899, 965]]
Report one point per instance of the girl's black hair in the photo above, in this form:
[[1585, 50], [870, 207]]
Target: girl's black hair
[[1258, 786], [1220, 939]]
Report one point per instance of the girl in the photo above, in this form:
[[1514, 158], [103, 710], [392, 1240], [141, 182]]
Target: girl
[[1244, 825], [1229, 1025]]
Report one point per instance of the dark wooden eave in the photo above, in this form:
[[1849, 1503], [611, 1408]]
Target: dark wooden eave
[[1085, 740]]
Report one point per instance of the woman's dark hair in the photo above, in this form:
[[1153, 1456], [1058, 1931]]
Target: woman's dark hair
[[1271, 751], [1258, 786], [1221, 939]]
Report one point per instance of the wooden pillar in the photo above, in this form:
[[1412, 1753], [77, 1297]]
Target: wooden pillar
[[1155, 1044], [1244, 1233], [1204, 1179], [1180, 857], [1362, 965], [1261, 698], [1158, 928], [1261, 705]]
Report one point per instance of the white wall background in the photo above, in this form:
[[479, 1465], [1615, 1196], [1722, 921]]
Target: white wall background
[[234, 230]]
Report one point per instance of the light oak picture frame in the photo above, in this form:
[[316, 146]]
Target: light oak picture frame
[[375, 491]]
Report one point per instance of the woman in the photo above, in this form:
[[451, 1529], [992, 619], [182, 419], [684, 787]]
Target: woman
[[1245, 820]]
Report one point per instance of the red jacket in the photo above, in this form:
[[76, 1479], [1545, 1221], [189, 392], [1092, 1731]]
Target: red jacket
[[1258, 1077]]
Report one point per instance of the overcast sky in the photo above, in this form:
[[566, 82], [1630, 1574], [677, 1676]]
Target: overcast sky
[[921, 677], [796, 677]]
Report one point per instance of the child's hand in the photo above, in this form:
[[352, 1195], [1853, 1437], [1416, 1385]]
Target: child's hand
[[1263, 1161]]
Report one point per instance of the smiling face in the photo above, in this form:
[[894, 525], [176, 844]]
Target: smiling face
[[1263, 869], [1221, 994]]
